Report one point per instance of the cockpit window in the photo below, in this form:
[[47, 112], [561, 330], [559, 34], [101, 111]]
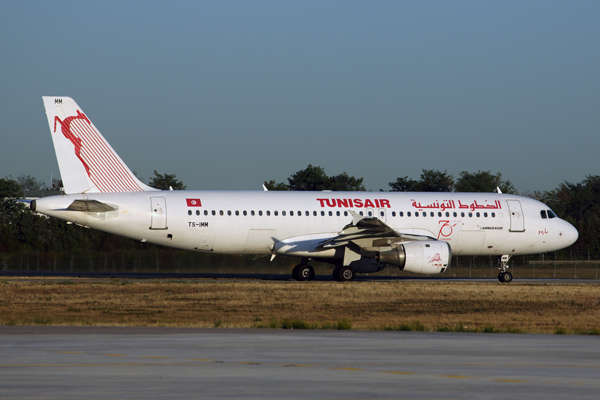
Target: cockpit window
[[551, 214], [543, 213]]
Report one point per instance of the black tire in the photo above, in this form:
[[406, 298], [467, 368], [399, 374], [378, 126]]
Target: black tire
[[501, 276], [306, 272], [346, 274], [296, 273], [336, 274], [507, 277], [303, 272]]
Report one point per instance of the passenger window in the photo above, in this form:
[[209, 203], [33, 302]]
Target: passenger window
[[401, 213], [330, 213], [189, 212], [268, 213], [221, 212], [477, 215], [360, 212], [345, 213], [462, 214], [381, 214], [337, 213], [245, 213], [454, 213], [485, 215], [205, 212], [237, 213], [197, 212], [439, 214], [214, 212], [408, 214], [276, 213], [291, 213], [424, 214], [229, 212], [493, 215], [431, 214], [252, 213], [369, 213], [299, 213], [416, 214], [393, 213], [283, 213], [260, 213], [322, 213], [470, 215], [307, 213], [314, 213]]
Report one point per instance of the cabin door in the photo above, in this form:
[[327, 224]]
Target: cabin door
[[517, 223], [158, 212]]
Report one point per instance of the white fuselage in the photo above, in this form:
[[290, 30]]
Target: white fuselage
[[257, 222]]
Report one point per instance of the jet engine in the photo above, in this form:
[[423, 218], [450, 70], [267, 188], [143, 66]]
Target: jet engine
[[421, 257]]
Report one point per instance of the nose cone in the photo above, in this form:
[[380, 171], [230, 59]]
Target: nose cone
[[571, 233]]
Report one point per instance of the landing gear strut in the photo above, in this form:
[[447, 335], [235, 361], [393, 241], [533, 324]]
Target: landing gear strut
[[504, 275], [303, 272]]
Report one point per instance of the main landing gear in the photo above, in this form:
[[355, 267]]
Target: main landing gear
[[343, 273], [504, 275], [303, 272]]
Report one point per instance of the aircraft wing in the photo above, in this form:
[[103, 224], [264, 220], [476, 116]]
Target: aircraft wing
[[369, 229]]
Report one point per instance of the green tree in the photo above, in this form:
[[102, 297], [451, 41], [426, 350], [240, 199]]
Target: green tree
[[314, 178], [272, 185], [404, 185], [10, 188], [311, 179], [29, 183], [346, 183], [483, 181], [430, 181], [579, 204], [166, 181]]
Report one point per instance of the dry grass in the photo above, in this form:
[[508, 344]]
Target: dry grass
[[399, 305]]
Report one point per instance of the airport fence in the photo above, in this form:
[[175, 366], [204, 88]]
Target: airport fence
[[546, 266]]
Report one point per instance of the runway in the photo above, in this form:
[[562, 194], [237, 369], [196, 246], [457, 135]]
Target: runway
[[183, 363]]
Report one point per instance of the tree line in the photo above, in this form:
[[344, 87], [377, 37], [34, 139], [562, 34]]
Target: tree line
[[23, 231]]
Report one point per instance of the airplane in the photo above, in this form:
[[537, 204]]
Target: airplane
[[356, 232]]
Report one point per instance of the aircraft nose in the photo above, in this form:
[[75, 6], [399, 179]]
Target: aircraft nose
[[571, 233]]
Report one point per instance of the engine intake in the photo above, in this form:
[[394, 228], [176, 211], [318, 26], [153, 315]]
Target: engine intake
[[421, 257]]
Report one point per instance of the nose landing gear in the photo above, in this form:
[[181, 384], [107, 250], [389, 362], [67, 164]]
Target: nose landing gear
[[504, 276]]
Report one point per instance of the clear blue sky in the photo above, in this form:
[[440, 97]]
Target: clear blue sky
[[227, 94]]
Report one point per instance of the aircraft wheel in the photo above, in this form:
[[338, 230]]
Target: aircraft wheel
[[336, 274], [346, 274], [303, 272], [505, 277]]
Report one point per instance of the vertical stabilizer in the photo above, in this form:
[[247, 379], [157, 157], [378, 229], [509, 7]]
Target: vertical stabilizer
[[88, 164]]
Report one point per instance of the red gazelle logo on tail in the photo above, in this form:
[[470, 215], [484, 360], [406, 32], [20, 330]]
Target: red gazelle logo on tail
[[77, 142]]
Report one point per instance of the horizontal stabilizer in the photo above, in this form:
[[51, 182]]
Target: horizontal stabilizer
[[91, 206]]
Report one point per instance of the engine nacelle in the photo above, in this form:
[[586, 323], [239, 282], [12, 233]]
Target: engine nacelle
[[421, 257]]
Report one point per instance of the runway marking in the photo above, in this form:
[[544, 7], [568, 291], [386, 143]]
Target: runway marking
[[456, 376], [114, 355], [202, 359], [156, 357], [248, 363], [510, 380], [69, 352]]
